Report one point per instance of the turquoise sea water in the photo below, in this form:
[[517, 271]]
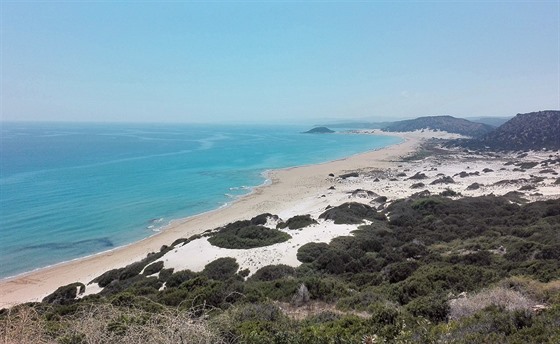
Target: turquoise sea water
[[70, 190]]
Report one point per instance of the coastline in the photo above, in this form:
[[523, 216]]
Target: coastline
[[282, 191]]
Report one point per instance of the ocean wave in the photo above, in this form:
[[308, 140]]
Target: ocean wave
[[243, 187]]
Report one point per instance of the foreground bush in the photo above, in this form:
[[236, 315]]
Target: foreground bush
[[104, 323]]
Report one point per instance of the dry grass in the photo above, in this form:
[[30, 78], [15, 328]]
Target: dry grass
[[22, 325], [499, 296], [539, 291], [97, 324], [314, 308]]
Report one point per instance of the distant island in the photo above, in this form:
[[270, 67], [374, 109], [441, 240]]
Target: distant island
[[319, 130]]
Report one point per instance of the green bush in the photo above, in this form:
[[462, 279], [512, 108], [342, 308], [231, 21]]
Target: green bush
[[257, 312], [132, 270], [400, 271], [107, 277], [262, 219], [433, 307], [297, 222], [309, 252], [245, 237], [65, 294], [221, 269], [164, 274], [153, 268], [351, 213], [273, 272], [280, 289], [177, 278], [361, 301], [333, 261]]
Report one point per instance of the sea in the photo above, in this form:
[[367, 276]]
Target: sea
[[68, 190]]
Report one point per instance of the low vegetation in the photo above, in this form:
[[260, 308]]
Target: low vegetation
[[351, 213], [298, 222], [428, 269], [244, 235]]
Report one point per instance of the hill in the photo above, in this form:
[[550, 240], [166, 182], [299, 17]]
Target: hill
[[319, 130], [443, 123], [357, 125], [492, 121], [535, 130]]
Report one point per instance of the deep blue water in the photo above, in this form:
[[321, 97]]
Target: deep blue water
[[70, 190]]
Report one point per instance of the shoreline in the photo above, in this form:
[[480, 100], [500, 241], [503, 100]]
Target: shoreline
[[282, 190]]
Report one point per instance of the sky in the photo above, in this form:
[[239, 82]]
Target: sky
[[276, 62]]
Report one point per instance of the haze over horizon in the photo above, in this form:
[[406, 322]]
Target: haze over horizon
[[273, 62]]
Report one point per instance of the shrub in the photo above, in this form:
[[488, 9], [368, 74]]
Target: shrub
[[474, 186], [400, 271], [256, 312], [351, 213], [438, 278], [297, 222], [107, 277], [177, 278], [309, 252], [366, 279], [65, 294], [417, 185], [348, 175], [333, 261], [412, 250], [105, 323], [273, 272], [244, 273], [326, 289], [117, 286], [153, 268], [132, 270], [280, 289], [433, 307], [262, 219], [549, 252], [449, 193], [221, 269], [443, 180], [418, 176], [501, 297], [164, 274], [535, 290], [245, 237], [361, 301]]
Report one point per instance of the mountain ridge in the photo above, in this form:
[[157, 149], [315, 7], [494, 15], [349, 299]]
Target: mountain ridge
[[533, 130], [444, 123]]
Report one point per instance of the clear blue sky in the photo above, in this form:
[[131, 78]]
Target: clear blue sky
[[277, 61]]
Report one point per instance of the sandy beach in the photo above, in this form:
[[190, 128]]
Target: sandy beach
[[285, 191], [300, 190]]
